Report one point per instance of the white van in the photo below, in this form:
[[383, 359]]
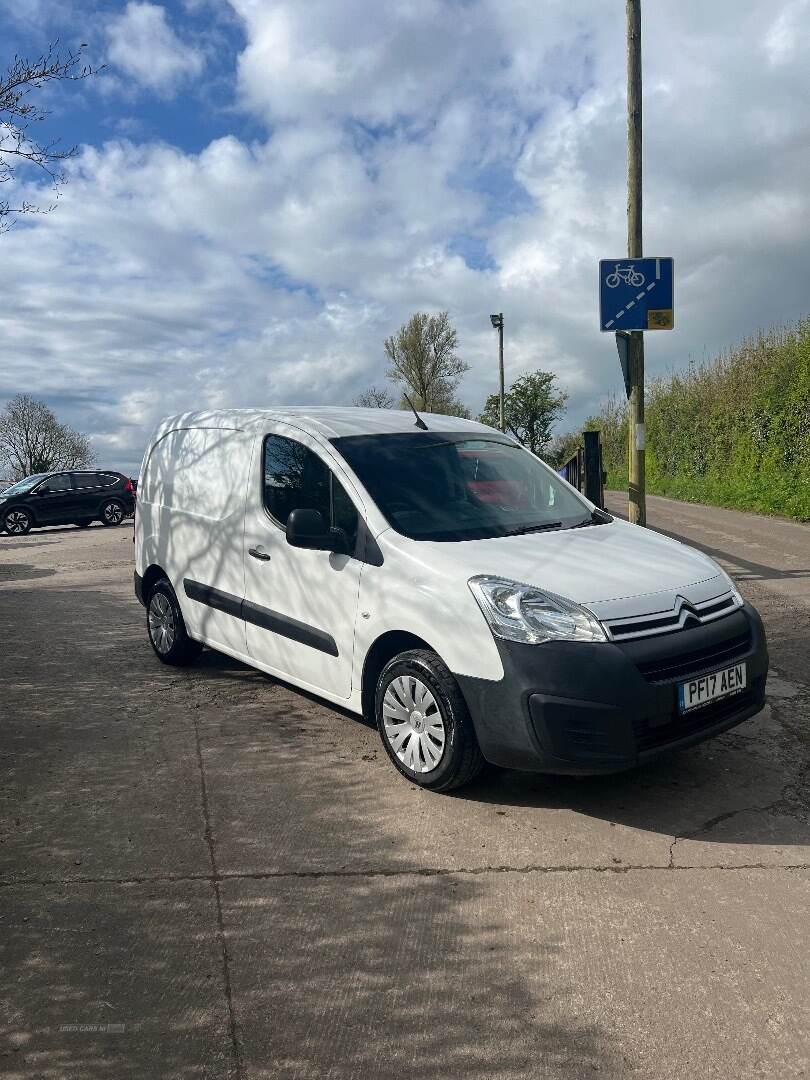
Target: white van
[[437, 576]]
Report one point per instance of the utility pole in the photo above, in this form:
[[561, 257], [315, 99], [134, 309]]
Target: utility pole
[[636, 429], [497, 322]]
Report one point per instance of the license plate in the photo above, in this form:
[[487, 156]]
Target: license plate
[[720, 684]]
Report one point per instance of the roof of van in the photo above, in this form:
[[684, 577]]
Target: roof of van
[[328, 421]]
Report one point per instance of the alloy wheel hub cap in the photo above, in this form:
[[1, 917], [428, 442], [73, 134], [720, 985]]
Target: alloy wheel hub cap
[[412, 724], [161, 623]]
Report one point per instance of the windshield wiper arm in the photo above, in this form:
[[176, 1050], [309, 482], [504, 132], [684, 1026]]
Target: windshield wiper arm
[[598, 517], [547, 526]]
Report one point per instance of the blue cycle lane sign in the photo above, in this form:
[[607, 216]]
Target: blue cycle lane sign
[[636, 294]]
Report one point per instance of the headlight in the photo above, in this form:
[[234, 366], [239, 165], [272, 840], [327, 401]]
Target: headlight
[[522, 613]]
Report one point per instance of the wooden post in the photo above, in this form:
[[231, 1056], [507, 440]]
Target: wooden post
[[636, 430]]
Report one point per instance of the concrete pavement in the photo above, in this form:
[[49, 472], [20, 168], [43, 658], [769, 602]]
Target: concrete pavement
[[204, 873]]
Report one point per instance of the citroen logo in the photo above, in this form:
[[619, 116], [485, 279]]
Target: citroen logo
[[682, 606]]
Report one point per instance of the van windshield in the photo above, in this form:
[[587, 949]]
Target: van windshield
[[446, 486]]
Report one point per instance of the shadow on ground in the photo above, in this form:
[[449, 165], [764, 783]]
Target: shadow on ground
[[114, 911]]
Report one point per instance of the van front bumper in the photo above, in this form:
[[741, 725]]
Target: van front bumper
[[582, 708]]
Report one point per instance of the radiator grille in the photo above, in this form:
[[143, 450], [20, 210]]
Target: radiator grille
[[680, 617]]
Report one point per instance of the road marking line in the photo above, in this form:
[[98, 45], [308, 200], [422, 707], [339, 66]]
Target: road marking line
[[631, 303]]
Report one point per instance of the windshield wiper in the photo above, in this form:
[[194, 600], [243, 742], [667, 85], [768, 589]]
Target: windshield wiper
[[598, 517], [548, 526]]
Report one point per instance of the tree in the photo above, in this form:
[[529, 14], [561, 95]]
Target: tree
[[375, 397], [425, 364], [531, 407], [33, 441], [562, 448], [18, 112]]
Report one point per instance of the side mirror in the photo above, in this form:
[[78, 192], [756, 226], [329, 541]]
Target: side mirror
[[306, 529]]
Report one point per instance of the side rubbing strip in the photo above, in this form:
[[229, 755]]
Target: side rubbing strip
[[215, 598], [261, 616], [290, 628]]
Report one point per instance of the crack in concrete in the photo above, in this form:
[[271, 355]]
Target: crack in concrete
[[712, 823], [214, 879], [440, 871]]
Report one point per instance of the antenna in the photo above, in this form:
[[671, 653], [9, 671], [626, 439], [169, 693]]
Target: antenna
[[420, 423]]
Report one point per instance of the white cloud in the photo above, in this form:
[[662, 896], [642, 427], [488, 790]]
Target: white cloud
[[789, 33], [402, 138], [143, 45]]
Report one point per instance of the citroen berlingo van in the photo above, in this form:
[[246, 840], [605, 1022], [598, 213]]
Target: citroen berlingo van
[[433, 574]]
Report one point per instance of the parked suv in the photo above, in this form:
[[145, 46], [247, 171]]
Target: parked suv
[[442, 580], [66, 498]]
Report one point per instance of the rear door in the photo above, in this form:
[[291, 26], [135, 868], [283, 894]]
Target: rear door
[[300, 605], [55, 500], [88, 493], [192, 519]]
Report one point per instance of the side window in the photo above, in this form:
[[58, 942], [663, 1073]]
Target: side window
[[85, 480], [108, 479], [60, 482], [294, 479], [297, 479]]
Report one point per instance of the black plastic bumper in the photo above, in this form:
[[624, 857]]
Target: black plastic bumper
[[579, 708], [139, 588]]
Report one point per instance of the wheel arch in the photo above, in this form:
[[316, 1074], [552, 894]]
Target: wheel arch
[[151, 574], [21, 506], [115, 497], [385, 648]]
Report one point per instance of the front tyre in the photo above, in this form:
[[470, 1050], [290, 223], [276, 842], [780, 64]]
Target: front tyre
[[18, 521], [424, 723], [167, 629], [112, 512]]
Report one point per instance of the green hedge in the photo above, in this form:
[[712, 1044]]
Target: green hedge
[[732, 432]]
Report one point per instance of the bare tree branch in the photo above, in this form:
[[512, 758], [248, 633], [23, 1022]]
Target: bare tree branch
[[375, 397], [18, 112], [33, 441]]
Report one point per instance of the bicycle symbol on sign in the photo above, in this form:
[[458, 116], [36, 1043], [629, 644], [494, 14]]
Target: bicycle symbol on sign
[[627, 274]]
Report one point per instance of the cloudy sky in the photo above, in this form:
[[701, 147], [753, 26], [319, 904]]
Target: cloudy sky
[[267, 188]]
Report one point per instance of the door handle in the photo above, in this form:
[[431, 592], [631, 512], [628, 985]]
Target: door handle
[[257, 553]]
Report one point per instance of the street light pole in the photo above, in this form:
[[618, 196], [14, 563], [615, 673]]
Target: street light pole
[[497, 322], [637, 509]]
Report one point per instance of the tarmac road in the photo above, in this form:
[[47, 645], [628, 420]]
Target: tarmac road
[[204, 873]]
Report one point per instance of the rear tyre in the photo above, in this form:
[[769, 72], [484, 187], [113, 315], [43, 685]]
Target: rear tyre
[[112, 512], [17, 521], [167, 629], [424, 723]]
